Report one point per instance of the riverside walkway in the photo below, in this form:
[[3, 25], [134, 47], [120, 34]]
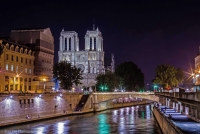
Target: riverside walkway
[[24, 119], [185, 124]]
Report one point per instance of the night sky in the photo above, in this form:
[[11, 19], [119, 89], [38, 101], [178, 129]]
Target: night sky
[[145, 32]]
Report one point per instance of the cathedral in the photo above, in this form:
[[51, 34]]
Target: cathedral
[[90, 60]]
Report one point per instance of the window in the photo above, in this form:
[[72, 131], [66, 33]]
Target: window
[[30, 61], [29, 71], [6, 66], [90, 44], [95, 44], [26, 61], [25, 70], [16, 68], [16, 58], [65, 43], [11, 57], [21, 69], [11, 67], [69, 43], [21, 60], [6, 56], [29, 79], [25, 80]]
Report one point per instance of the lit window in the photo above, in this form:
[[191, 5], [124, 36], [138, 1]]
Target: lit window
[[29, 71], [16, 68], [25, 70], [11, 67], [6, 66]]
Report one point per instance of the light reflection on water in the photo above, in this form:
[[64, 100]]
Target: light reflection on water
[[133, 120]]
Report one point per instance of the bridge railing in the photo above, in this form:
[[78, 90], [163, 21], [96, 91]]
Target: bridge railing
[[144, 93], [184, 95]]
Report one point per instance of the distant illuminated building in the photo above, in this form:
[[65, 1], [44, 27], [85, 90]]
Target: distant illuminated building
[[90, 60], [30, 53], [16, 67], [196, 74]]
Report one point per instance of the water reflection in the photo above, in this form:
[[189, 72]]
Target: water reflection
[[136, 119], [103, 127]]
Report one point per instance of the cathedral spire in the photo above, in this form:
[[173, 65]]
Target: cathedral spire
[[93, 24]]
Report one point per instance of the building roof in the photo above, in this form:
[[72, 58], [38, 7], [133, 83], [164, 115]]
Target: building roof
[[28, 29], [7, 40]]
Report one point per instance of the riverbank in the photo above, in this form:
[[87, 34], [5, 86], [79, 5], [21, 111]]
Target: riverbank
[[35, 118], [173, 122]]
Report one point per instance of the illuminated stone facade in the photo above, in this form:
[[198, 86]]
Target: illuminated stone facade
[[39, 41], [17, 67], [90, 60], [42, 42], [197, 69]]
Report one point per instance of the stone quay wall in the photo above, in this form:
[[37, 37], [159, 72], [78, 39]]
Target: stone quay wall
[[165, 125], [20, 107], [36, 105]]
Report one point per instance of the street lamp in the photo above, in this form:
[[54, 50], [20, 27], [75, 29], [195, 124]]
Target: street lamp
[[147, 86], [44, 79]]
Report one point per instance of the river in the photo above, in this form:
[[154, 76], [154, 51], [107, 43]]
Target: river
[[129, 120]]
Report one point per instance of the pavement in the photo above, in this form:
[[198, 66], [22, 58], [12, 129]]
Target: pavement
[[185, 124], [24, 118]]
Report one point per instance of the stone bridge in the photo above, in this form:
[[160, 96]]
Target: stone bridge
[[108, 96]]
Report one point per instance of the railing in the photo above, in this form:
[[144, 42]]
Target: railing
[[36, 94], [107, 93], [183, 95]]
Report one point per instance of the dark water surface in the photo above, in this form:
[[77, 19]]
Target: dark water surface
[[130, 120]]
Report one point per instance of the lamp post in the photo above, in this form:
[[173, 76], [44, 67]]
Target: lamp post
[[44, 84], [148, 86], [17, 76]]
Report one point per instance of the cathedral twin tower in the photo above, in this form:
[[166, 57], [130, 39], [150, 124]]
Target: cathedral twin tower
[[90, 60]]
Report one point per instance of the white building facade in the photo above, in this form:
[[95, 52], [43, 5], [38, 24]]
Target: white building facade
[[90, 60]]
